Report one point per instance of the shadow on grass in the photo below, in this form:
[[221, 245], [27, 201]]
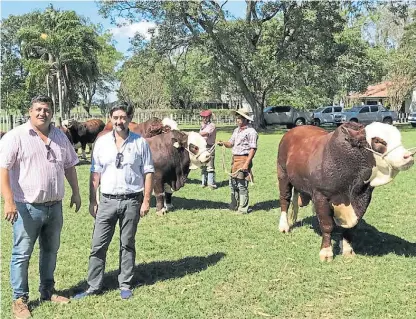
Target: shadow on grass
[[149, 274], [368, 240], [198, 182], [191, 204], [267, 205]]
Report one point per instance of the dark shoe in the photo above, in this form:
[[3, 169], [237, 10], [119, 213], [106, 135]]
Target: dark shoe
[[20, 309], [125, 293], [84, 294], [232, 207]]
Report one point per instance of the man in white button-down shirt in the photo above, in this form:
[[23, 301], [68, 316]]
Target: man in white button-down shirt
[[122, 165]]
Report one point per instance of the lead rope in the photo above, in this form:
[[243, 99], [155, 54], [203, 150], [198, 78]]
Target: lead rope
[[382, 156], [232, 175]]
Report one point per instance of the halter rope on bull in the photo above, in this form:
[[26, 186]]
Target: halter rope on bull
[[382, 156], [232, 175]]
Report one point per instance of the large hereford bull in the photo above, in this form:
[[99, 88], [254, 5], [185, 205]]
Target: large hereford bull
[[338, 172], [83, 132], [174, 154]]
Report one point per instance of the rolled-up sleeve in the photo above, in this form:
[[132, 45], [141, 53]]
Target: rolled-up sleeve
[[9, 147], [252, 139], [96, 165], [71, 158], [147, 159]]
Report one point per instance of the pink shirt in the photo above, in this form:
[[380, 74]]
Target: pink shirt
[[212, 133], [35, 176]]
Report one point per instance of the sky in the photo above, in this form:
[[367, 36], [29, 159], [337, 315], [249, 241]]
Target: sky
[[89, 9]]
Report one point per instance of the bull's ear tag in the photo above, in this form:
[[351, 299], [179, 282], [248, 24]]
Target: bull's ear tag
[[176, 145]]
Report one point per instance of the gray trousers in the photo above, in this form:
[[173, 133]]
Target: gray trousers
[[239, 194], [127, 213]]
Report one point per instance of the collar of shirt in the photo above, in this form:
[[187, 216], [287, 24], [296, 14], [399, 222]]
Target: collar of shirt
[[128, 138], [31, 130]]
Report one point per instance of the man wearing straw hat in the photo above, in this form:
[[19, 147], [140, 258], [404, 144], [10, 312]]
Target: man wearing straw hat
[[209, 132], [244, 145]]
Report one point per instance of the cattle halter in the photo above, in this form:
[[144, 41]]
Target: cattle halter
[[385, 154]]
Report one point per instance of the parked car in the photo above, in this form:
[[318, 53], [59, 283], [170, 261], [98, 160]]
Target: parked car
[[366, 114], [286, 115], [412, 119], [326, 115]]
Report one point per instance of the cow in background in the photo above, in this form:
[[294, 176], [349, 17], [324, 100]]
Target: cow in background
[[338, 171], [149, 128], [83, 133], [174, 154]]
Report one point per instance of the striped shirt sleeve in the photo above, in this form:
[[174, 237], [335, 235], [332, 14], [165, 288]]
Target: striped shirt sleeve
[[252, 137], [232, 138], [146, 157], [71, 158], [9, 146]]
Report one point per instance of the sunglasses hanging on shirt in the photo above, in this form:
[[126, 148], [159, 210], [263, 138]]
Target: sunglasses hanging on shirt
[[119, 160]]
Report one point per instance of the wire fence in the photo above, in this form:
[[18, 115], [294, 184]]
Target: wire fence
[[9, 121]]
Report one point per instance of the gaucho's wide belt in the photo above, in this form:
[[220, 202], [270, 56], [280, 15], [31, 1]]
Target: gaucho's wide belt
[[122, 196]]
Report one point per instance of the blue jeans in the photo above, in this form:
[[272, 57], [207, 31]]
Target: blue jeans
[[35, 221]]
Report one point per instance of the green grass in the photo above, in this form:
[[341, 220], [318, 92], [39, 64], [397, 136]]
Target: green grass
[[203, 261]]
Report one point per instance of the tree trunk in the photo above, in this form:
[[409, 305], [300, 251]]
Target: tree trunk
[[61, 109]]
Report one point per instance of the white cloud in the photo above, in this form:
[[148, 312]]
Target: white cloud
[[127, 30]]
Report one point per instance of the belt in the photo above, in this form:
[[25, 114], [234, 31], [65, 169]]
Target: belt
[[47, 204], [241, 155], [122, 196]]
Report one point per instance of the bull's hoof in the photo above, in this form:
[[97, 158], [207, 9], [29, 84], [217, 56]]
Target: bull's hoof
[[349, 254], [161, 212], [283, 225], [169, 207], [326, 254], [346, 249]]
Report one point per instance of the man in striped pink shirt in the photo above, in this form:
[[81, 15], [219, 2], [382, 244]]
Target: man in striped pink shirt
[[34, 158]]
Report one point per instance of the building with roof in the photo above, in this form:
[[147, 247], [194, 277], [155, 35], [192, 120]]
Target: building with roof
[[379, 94]]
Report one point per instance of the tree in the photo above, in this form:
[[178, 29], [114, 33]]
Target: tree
[[258, 52], [403, 67], [63, 49], [15, 93]]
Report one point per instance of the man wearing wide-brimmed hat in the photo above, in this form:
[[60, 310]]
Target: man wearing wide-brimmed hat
[[209, 132], [244, 145]]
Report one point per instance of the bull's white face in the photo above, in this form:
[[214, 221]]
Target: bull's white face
[[202, 155], [171, 123], [394, 157]]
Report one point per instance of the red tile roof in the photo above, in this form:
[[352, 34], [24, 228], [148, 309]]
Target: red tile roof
[[375, 91]]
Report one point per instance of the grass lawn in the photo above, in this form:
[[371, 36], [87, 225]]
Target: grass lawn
[[203, 261]]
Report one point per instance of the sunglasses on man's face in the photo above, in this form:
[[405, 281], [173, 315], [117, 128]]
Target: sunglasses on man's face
[[119, 160]]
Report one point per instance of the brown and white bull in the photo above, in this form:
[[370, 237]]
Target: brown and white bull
[[174, 154], [338, 171]]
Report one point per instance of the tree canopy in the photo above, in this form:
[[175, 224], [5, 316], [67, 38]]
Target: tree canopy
[[304, 52], [57, 53]]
